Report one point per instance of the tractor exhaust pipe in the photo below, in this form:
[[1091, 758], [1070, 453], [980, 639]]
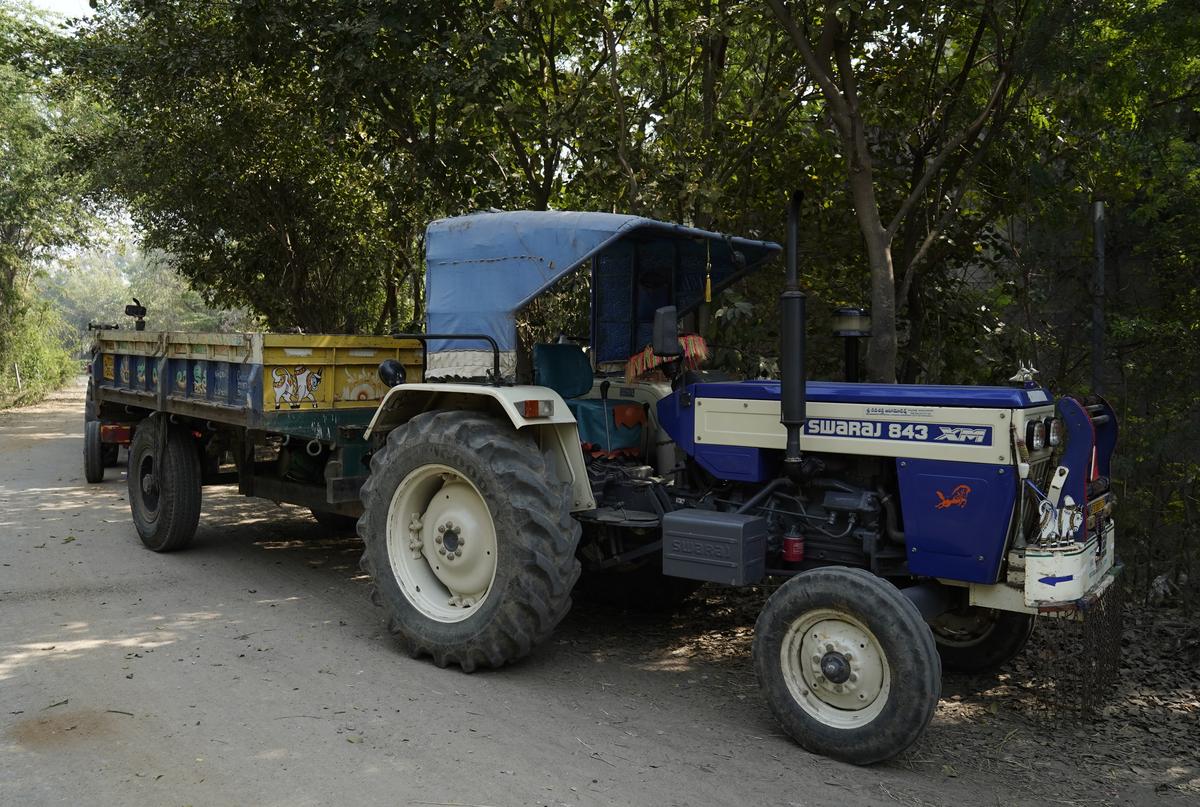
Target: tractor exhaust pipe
[[793, 392]]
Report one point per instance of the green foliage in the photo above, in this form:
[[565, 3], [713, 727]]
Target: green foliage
[[40, 211], [94, 286], [33, 361], [261, 196]]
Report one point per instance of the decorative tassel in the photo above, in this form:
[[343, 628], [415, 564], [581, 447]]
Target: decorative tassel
[[708, 271]]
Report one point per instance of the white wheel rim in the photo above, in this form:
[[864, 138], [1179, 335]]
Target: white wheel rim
[[441, 543], [827, 641]]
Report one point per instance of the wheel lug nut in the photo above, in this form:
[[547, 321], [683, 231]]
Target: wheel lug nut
[[816, 659], [458, 553], [828, 648], [853, 677], [441, 527], [437, 539]]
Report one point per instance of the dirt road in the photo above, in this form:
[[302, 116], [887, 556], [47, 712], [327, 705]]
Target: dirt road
[[253, 670]]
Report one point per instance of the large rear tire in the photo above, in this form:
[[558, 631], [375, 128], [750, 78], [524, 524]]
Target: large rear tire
[[469, 539], [980, 640], [93, 452], [164, 488], [848, 666]]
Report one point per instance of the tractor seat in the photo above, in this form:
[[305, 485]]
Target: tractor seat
[[606, 428]]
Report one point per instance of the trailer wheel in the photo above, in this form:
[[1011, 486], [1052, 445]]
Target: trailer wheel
[[978, 640], [164, 487], [93, 452], [848, 666], [470, 542]]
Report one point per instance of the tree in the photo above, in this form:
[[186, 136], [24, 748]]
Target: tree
[[40, 209], [262, 197], [923, 90]]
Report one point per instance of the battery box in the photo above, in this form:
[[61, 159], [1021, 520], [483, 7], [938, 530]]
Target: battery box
[[729, 548]]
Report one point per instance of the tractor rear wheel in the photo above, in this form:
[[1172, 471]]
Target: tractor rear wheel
[[979, 640], [469, 539], [164, 485], [93, 452], [848, 666]]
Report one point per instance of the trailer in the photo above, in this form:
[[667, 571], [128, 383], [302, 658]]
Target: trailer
[[282, 415], [911, 528]]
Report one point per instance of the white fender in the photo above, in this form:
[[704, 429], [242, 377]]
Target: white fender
[[557, 433]]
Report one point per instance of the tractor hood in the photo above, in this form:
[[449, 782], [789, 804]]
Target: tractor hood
[[884, 394], [483, 268]]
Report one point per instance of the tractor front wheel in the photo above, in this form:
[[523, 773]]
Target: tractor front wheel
[[848, 666], [469, 539], [979, 640]]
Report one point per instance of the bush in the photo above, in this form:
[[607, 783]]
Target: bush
[[33, 340]]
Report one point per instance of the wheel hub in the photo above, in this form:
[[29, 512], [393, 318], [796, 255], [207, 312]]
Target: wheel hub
[[835, 667]]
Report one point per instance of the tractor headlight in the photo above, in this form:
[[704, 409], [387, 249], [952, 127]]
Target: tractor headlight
[[1035, 435], [1054, 431]]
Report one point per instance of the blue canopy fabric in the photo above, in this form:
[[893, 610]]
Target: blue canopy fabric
[[483, 268]]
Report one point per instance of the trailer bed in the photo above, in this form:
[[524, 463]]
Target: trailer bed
[[304, 385]]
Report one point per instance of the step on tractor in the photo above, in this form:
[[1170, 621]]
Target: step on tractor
[[909, 528]]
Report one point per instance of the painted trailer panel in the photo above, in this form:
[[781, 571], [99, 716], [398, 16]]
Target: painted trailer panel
[[303, 384]]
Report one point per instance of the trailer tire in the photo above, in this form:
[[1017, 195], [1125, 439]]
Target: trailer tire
[[848, 666], [93, 452], [980, 640], [490, 490], [164, 492]]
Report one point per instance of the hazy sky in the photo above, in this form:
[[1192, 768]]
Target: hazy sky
[[67, 8]]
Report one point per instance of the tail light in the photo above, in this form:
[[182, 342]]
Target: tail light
[[537, 409]]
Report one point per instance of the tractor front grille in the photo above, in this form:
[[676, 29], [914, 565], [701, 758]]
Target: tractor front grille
[[1040, 473]]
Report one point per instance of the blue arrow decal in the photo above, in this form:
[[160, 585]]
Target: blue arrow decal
[[1054, 581]]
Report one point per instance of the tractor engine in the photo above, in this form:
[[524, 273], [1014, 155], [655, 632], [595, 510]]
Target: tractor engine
[[846, 515]]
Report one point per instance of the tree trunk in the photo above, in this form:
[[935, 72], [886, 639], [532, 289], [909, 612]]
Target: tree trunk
[[881, 349]]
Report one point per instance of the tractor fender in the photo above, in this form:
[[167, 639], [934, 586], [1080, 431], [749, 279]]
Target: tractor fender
[[557, 434]]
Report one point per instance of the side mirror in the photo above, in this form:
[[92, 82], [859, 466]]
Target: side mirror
[[666, 333]]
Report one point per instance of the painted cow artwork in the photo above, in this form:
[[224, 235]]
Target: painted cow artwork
[[294, 387]]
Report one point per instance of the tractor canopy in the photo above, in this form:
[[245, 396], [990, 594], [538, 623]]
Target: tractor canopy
[[482, 269]]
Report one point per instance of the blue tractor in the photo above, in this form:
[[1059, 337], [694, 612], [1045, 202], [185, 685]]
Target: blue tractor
[[912, 527]]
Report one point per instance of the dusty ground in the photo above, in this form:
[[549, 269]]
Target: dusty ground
[[252, 669]]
